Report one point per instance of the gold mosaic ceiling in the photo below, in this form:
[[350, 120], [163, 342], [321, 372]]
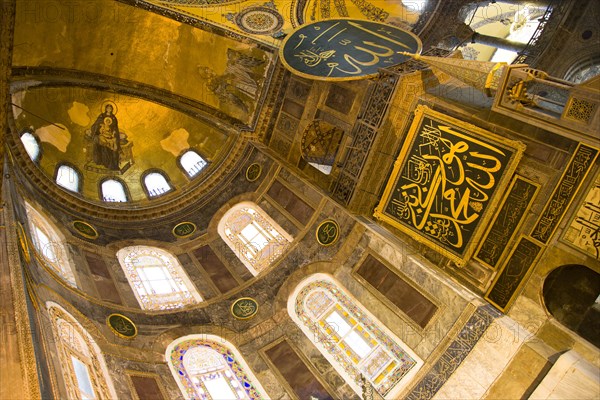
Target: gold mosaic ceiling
[[216, 57]]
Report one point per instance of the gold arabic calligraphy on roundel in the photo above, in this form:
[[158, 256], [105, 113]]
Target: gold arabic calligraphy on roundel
[[121, 326], [345, 49], [244, 308]]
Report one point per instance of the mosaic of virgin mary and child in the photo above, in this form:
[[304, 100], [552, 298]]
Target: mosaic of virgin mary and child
[[107, 142]]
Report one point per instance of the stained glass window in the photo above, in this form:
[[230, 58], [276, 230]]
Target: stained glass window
[[68, 178], [84, 370], [31, 146], [254, 237], [192, 163], [113, 191], [354, 341], [157, 279], [49, 245], [208, 367], [156, 184]]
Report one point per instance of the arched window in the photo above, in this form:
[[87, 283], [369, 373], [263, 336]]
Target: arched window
[[572, 295], [49, 244], [209, 367], [157, 279], [253, 236], [81, 361], [113, 190], [31, 146], [353, 340], [192, 163], [68, 177], [156, 184]]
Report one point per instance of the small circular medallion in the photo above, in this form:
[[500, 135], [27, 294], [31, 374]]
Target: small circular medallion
[[121, 326], [184, 229], [253, 172], [244, 308], [327, 232], [259, 20], [86, 230]]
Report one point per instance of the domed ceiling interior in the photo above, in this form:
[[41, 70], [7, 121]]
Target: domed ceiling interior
[[151, 136], [177, 75]]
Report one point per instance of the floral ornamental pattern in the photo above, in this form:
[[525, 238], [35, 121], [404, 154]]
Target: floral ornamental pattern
[[82, 364], [157, 279], [197, 362], [254, 237], [259, 20], [335, 321]]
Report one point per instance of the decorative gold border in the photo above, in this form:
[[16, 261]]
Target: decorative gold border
[[85, 235], [257, 176], [243, 298], [129, 373], [420, 112], [116, 332], [184, 236], [337, 235], [519, 225], [573, 196], [394, 308], [326, 79], [23, 242], [515, 293]]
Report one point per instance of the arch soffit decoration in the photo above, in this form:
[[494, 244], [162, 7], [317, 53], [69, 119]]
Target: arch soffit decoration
[[216, 340], [89, 339]]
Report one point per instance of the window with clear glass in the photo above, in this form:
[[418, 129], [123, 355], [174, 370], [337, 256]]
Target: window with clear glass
[[49, 245], [31, 146], [156, 184], [355, 342], [253, 236], [113, 191], [192, 163], [81, 361], [157, 279], [208, 367], [68, 178]]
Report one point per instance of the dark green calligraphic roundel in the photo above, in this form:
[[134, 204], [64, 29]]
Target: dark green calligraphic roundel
[[328, 232], [184, 229], [345, 49], [244, 308], [121, 326], [85, 229]]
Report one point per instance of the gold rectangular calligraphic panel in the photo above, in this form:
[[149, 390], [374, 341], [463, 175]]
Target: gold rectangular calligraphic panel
[[448, 174], [580, 164], [507, 221], [583, 232], [514, 273]]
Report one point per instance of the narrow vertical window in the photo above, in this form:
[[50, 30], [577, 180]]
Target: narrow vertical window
[[253, 236], [156, 184], [356, 343], [208, 367], [49, 245], [82, 364], [192, 163], [157, 279], [113, 191], [68, 178], [31, 146]]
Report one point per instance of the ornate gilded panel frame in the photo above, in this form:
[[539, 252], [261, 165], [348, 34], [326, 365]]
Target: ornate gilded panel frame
[[448, 174], [514, 273], [507, 221]]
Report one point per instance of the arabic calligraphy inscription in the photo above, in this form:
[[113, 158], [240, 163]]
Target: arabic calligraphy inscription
[[345, 49]]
